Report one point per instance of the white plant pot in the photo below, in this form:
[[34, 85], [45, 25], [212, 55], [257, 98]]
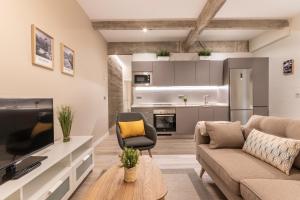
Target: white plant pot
[[163, 58], [205, 57]]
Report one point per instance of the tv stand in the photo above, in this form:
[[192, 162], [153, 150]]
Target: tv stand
[[57, 177]]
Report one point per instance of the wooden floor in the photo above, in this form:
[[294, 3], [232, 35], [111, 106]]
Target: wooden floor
[[170, 152], [166, 145]]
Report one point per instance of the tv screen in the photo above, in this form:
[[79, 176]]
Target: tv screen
[[26, 126]]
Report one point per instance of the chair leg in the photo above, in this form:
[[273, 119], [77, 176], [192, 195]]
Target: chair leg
[[141, 153], [150, 154], [202, 172]]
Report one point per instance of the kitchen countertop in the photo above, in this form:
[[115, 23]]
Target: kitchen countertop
[[170, 105]]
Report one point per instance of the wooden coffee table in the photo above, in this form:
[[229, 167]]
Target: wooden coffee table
[[148, 186]]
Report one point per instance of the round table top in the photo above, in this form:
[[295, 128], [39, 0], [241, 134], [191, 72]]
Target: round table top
[[148, 186]]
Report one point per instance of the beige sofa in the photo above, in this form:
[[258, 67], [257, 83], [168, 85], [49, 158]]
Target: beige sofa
[[242, 176]]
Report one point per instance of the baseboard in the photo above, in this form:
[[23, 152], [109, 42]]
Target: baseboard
[[98, 141]]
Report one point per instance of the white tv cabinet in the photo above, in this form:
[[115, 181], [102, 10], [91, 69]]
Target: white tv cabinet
[[58, 176]]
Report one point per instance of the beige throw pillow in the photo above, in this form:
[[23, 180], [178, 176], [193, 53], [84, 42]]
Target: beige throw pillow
[[202, 126], [225, 135], [277, 151]]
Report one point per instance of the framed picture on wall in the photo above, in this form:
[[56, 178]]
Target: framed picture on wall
[[67, 60], [42, 48], [288, 67]]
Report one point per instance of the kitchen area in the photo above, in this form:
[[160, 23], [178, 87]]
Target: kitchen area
[[175, 95]]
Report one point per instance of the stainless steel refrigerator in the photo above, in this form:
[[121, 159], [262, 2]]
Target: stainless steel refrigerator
[[240, 94]]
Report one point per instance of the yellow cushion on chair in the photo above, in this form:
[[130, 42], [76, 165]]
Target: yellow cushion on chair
[[132, 128]]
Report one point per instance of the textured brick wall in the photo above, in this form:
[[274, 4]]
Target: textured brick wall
[[115, 91]]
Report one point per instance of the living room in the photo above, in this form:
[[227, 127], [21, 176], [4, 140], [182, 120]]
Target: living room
[[150, 100]]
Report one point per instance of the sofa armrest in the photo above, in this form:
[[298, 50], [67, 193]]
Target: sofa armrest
[[200, 139]]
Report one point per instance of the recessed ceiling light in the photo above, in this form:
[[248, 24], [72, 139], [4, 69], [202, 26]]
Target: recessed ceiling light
[[145, 30]]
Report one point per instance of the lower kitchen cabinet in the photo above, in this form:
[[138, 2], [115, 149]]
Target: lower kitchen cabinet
[[186, 119], [221, 113], [205, 114], [264, 111], [147, 112]]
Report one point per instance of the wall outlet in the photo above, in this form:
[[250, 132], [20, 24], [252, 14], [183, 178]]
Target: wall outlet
[[138, 97], [297, 95]]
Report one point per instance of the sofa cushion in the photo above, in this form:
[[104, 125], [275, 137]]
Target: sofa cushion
[[202, 126], [132, 128], [268, 189], [140, 141], [277, 151], [234, 165], [282, 127], [225, 135]]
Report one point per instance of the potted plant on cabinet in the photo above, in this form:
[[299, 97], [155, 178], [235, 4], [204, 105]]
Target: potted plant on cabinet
[[65, 118], [163, 55], [204, 54], [129, 159]]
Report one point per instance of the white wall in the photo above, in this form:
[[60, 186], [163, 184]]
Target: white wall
[[66, 22], [284, 97]]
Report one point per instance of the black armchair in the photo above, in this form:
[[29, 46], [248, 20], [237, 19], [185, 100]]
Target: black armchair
[[142, 143]]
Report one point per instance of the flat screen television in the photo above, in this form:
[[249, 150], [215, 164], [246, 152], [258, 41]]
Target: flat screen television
[[26, 126]]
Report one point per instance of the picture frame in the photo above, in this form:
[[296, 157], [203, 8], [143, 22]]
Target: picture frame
[[42, 48], [67, 60], [288, 67]]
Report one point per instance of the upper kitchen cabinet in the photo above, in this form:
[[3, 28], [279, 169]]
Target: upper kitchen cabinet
[[142, 66], [260, 82], [202, 72], [185, 73], [163, 73], [216, 73]]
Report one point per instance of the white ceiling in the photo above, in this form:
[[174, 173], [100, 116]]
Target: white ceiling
[[172, 9], [217, 35], [141, 9], [259, 9], [140, 36]]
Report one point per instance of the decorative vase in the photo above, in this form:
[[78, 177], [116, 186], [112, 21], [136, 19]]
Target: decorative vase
[[130, 174], [163, 58], [204, 57], [66, 139]]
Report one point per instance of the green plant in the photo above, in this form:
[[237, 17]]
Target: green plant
[[185, 99], [65, 118], [130, 157], [163, 53], [204, 52]]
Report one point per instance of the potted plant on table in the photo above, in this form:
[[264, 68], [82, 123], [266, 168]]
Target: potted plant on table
[[65, 118], [204, 54], [129, 159], [163, 55]]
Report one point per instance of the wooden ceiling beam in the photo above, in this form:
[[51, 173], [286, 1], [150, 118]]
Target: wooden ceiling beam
[[208, 12], [216, 24], [140, 24], [129, 48], [246, 24]]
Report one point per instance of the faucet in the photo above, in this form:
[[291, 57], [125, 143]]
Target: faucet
[[206, 99]]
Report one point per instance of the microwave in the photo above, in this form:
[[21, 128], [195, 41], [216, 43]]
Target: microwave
[[142, 78]]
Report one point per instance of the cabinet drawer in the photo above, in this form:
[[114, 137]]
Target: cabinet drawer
[[86, 163], [59, 190]]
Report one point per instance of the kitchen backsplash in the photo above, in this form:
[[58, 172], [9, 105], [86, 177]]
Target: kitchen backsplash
[[166, 95]]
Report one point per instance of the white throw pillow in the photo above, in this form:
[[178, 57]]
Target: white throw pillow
[[277, 151]]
